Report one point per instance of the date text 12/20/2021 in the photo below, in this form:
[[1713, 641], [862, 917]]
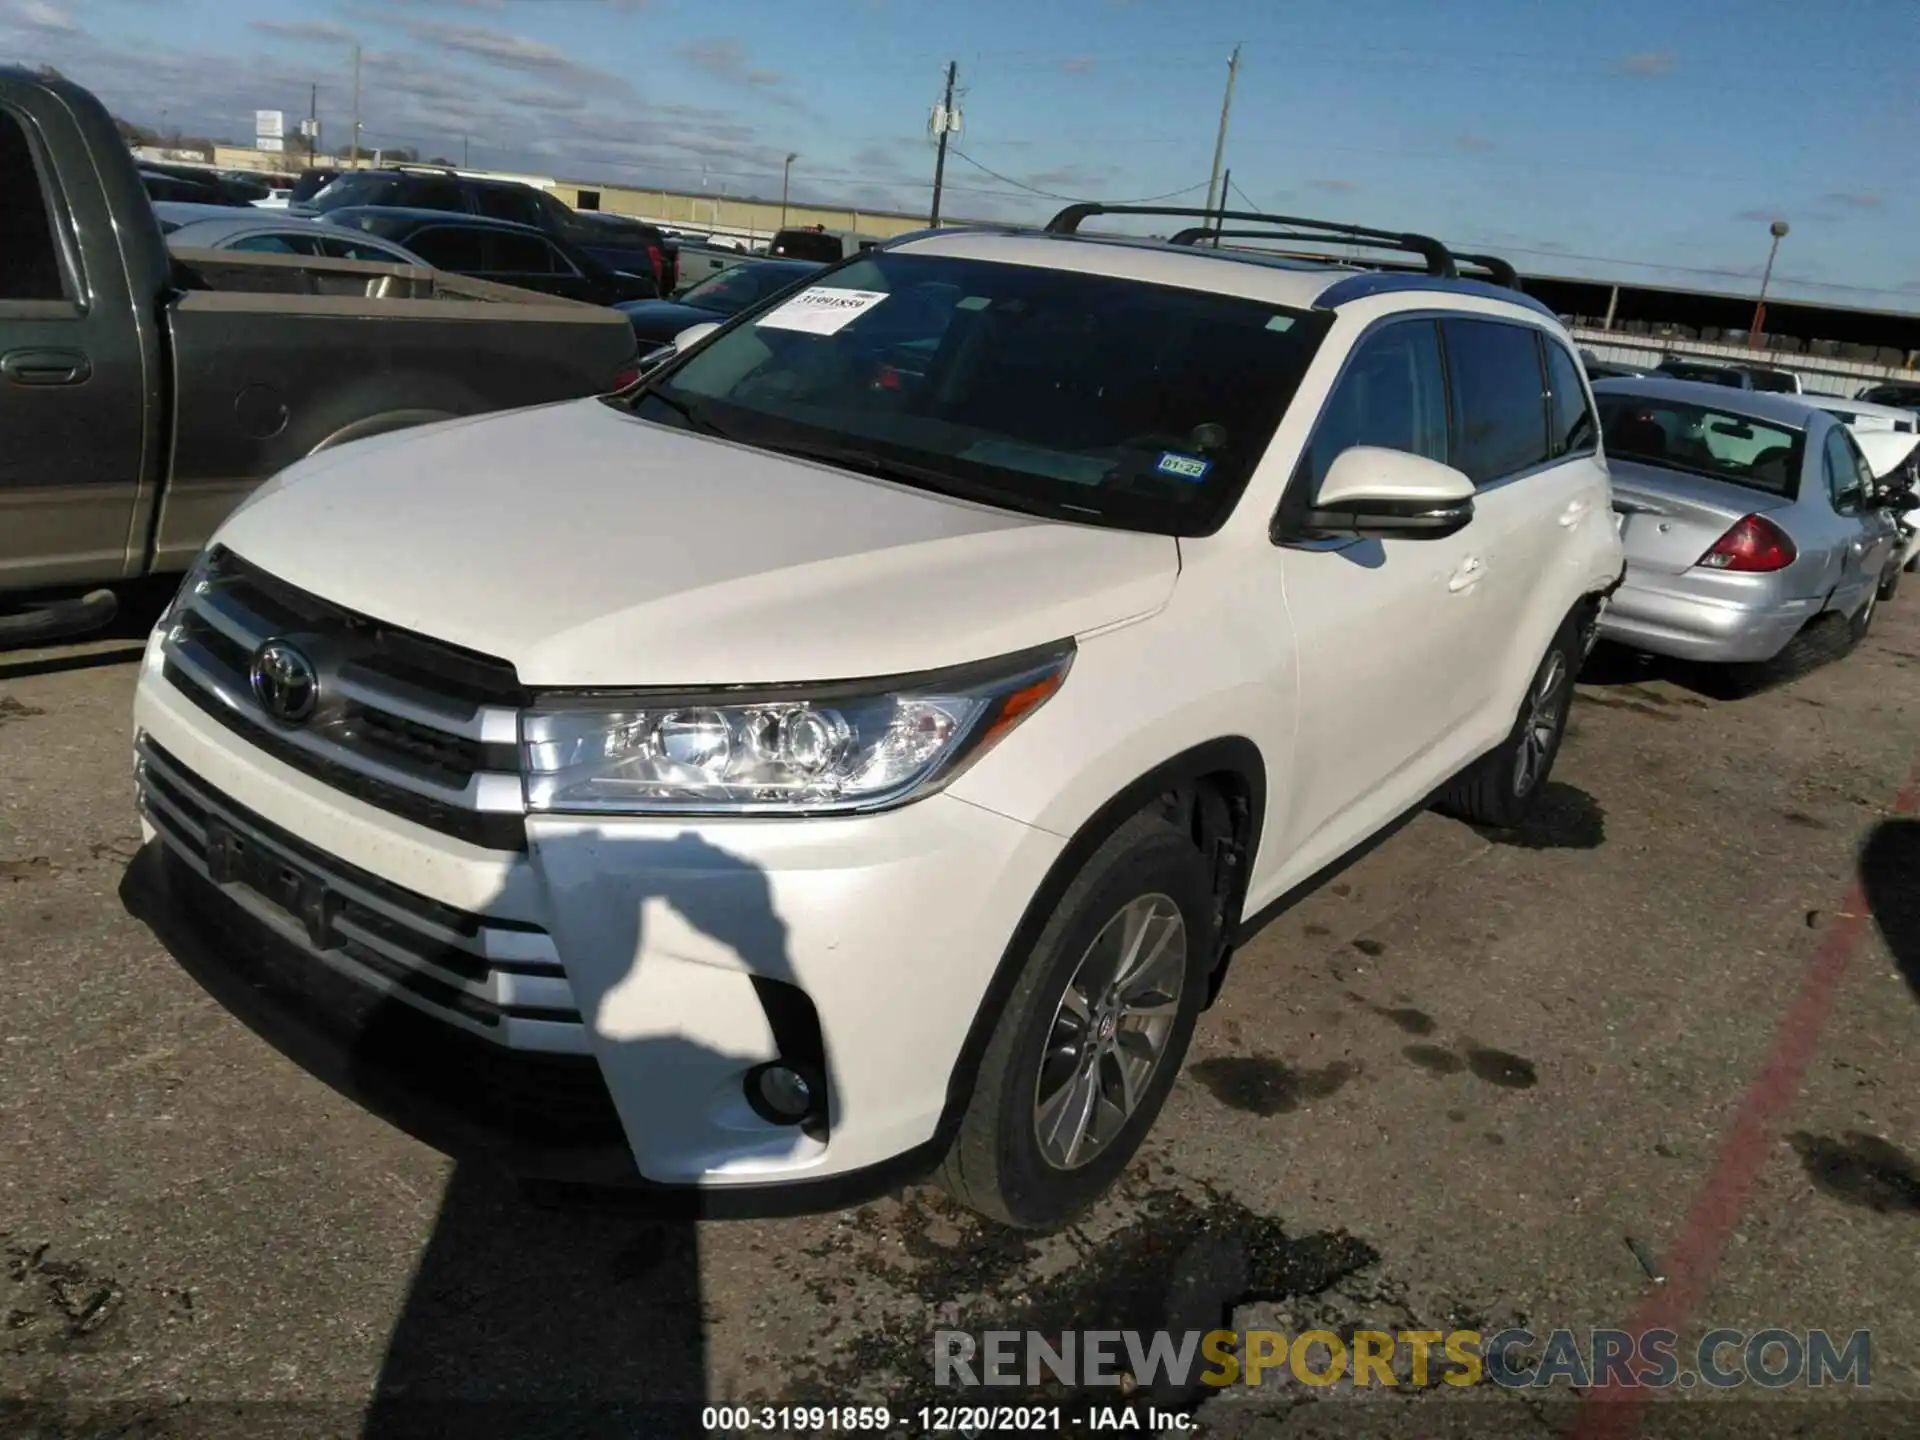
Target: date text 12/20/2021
[[968, 1421]]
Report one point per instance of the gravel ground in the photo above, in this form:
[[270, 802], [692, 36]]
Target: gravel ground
[[1457, 1088]]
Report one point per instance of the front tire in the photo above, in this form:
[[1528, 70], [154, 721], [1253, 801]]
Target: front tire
[[1500, 789], [1092, 1037]]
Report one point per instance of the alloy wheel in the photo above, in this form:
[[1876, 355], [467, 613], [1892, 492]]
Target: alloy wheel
[[1110, 1031], [1545, 707]]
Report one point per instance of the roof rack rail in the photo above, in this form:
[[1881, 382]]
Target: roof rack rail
[[1501, 272], [1439, 260], [411, 167]]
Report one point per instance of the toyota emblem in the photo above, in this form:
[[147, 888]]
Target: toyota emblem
[[285, 683]]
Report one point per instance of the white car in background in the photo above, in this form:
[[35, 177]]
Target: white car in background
[[1864, 416], [1894, 456], [855, 750]]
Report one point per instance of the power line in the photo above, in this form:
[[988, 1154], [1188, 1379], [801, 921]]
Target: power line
[[1071, 199]]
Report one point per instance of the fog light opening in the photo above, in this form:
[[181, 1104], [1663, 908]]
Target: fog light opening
[[781, 1094]]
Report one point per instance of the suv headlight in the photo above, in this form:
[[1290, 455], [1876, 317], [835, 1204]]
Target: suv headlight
[[860, 745]]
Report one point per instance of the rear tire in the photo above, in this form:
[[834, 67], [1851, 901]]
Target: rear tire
[[1501, 788], [1862, 621], [1042, 1049], [1821, 641], [1889, 583]]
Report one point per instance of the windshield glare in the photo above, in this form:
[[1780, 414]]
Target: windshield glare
[[1701, 441], [1081, 396]]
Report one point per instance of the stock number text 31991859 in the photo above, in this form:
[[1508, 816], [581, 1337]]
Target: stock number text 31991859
[[963, 1420]]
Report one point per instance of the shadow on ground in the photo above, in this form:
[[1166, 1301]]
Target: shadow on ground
[[1890, 879], [582, 1319], [1612, 665]]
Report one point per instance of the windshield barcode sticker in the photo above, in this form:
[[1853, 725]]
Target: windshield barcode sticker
[[1190, 468], [822, 310]]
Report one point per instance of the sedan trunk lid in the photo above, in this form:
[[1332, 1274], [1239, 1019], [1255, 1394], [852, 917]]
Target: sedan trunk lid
[[1670, 518]]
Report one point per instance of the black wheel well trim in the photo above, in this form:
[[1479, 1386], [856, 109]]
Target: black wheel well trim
[[1232, 755]]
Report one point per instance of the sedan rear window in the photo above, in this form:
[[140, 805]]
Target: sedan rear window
[[1083, 397], [1701, 441]]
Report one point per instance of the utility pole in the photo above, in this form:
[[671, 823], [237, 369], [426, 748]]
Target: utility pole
[[356, 108], [1220, 141], [313, 121], [465, 153], [1220, 219], [1778, 230], [943, 121]]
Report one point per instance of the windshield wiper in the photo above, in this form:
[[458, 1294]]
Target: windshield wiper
[[925, 477], [692, 415]]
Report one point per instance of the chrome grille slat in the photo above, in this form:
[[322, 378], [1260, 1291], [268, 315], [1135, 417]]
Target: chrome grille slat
[[391, 942], [405, 723]]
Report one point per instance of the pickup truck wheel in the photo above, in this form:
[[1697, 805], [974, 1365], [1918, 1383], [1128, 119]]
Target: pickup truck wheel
[[1092, 1037], [1889, 583], [1501, 788]]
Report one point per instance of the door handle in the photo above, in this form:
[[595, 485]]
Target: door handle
[[46, 367], [1467, 576], [1575, 513]]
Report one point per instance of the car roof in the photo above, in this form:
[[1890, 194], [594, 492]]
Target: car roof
[[187, 212], [1771, 405], [406, 215], [217, 221], [1250, 274], [1859, 407]]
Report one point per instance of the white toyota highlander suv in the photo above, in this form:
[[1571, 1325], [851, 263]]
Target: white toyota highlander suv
[[853, 752]]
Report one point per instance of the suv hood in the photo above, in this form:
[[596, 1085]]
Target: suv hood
[[588, 548]]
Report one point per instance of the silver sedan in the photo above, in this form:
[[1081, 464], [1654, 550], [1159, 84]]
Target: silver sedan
[[1751, 522], [271, 232]]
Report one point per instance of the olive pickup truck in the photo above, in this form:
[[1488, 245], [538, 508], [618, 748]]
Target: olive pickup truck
[[142, 396]]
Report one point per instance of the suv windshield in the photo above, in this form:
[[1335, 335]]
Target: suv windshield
[[1083, 397], [1678, 436], [355, 190]]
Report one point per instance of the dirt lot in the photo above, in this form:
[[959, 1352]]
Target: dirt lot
[[1441, 1093]]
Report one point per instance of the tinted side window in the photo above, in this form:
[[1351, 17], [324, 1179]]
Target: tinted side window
[[276, 244], [449, 247], [1570, 429], [1393, 394], [1499, 401], [521, 255], [353, 250], [432, 195], [1843, 477], [504, 202], [30, 269]]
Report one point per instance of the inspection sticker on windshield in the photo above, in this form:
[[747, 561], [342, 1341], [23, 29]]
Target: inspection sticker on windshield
[[1190, 468], [822, 310]]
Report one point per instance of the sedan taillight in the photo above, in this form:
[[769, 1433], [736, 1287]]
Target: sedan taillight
[[1755, 545]]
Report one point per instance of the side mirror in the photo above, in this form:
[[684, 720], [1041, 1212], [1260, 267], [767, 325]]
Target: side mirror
[[693, 335], [1371, 493]]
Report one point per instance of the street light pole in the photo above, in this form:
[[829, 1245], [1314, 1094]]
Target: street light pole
[[1778, 230], [786, 177]]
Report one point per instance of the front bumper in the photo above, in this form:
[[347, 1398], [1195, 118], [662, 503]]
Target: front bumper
[[1664, 617], [622, 974]]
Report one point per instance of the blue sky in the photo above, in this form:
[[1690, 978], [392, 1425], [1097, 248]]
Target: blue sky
[[1629, 139]]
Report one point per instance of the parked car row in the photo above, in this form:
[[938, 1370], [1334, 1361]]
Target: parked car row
[[1882, 398], [142, 398]]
